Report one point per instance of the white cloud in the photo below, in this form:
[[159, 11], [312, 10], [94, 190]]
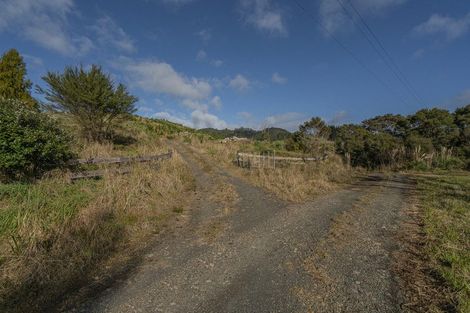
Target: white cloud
[[193, 93], [264, 16], [145, 110], [110, 33], [43, 22], [217, 63], [194, 105], [216, 102], [173, 118], [240, 83], [245, 115], [205, 35], [451, 28], [289, 120], [160, 78], [31, 59], [201, 119], [201, 55], [278, 79], [334, 18], [177, 2], [198, 119]]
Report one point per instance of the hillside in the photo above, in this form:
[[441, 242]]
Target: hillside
[[272, 133]]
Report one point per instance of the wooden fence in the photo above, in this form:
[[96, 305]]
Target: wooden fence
[[270, 160], [122, 160], [113, 161]]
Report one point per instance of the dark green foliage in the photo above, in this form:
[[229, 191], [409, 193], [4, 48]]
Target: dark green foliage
[[272, 134], [315, 128], [430, 138], [91, 98], [13, 84], [382, 149], [30, 142], [462, 120], [311, 138], [269, 134], [436, 124], [350, 141], [395, 125]]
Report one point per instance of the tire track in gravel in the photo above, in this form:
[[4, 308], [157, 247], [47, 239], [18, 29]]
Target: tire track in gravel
[[265, 255]]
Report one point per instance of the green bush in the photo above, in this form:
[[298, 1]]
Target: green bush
[[30, 142]]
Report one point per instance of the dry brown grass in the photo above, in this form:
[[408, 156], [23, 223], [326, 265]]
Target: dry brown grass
[[295, 182], [54, 236]]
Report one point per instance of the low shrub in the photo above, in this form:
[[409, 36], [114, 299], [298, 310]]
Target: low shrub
[[31, 143]]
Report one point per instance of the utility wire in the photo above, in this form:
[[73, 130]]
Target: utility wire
[[384, 54], [350, 52]]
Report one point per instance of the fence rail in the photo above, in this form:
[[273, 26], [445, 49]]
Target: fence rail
[[112, 161], [270, 160], [122, 160]]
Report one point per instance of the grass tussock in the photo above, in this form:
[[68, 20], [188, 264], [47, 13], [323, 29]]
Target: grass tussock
[[298, 183], [294, 182], [445, 200], [54, 235]]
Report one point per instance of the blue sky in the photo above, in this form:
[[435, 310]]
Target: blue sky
[[255, 63]]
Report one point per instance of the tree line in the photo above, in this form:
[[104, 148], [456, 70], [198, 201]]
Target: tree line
[[429, 138]]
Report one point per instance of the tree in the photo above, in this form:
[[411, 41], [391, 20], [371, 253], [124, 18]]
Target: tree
[[350, 141], [13, 84], [91, 98], [462, 120], [316, 127], [30, 142], [395, 125], [435, 124], [312, 137]]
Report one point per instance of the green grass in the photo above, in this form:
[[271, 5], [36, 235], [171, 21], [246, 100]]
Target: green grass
[[51, 201], [446, 203]]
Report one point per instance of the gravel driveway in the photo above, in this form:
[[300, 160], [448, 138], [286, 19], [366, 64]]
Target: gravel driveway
[[256, 253]]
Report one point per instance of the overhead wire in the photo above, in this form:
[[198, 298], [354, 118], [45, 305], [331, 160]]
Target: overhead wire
[[380, 49], [350, 52]]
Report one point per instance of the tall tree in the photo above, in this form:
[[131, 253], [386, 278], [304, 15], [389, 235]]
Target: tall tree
[[91, 97], [435, 124], [393, 124], [311, 137], [462, 120], [13, 82]]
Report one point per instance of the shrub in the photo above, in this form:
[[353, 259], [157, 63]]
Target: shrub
[[30, 142], [95, 102]]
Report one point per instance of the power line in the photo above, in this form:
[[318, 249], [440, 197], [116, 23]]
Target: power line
[[388, 58], [376, 49], [350, 52]]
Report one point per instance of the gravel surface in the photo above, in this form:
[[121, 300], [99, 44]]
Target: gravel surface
[[255, 253]]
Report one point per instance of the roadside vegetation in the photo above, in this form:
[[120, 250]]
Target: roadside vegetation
[[57, 236], [292, 182], [445, 202]]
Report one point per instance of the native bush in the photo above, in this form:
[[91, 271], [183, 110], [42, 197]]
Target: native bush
[[31, 143]]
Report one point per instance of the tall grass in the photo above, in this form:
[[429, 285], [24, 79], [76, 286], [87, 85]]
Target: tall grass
[[445, 200], [294, 182], [54, 235]]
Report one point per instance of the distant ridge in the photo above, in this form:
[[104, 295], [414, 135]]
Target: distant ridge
[[271, 133]]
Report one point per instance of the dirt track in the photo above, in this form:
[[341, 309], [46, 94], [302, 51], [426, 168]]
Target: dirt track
[[255, 253]]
